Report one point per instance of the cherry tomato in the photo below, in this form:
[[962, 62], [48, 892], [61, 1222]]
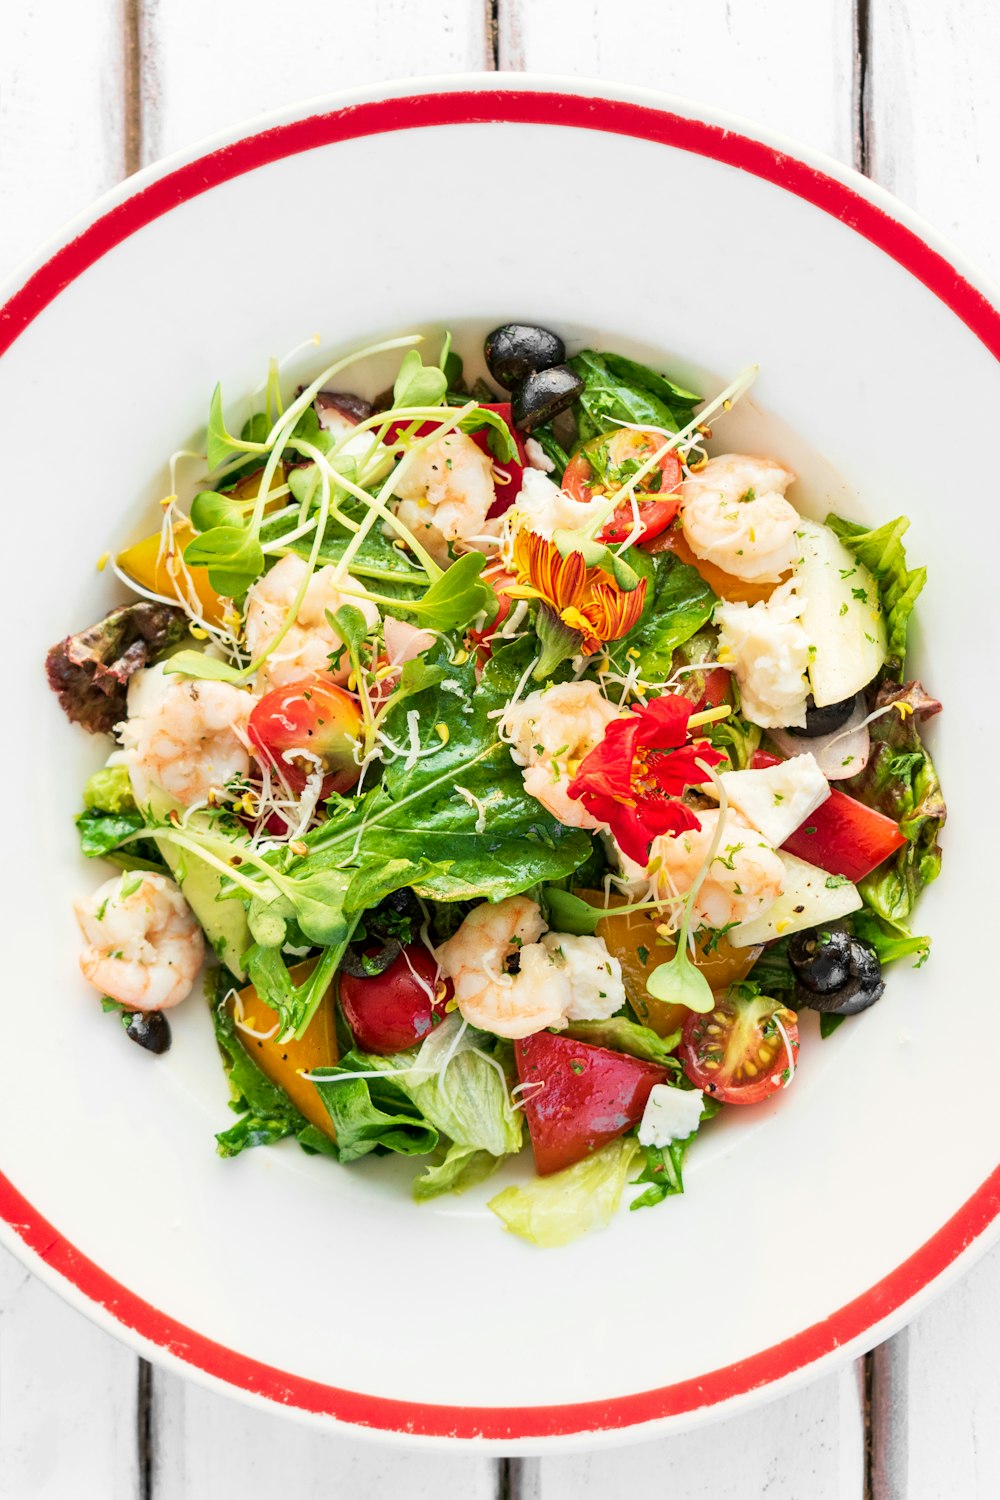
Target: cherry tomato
[[499, 580], [311, 718], [632, 938], [604, 463], [737, 1052], [589, 1095], [842, 835], [395, 1009]]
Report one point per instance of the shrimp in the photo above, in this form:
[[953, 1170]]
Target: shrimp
[[549, 733], [557, 979], [445, 494], [185, 738], [545, 508], [744, 879], [310, 641], [734, 514], [143, 945]]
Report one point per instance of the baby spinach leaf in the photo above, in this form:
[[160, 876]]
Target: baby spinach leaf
[[372, 1113], [618, 390], [678, 604]]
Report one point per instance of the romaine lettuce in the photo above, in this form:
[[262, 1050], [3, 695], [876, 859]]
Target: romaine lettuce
[[555, 1210], [883, 555]]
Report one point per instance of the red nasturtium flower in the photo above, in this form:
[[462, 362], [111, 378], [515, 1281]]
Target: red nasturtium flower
[[632, 780]]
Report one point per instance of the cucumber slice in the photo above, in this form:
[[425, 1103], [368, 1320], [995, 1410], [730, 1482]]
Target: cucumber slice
[[841, 615], [811, 896]]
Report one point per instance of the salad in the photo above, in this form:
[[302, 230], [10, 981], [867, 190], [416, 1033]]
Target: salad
[[524, 761]]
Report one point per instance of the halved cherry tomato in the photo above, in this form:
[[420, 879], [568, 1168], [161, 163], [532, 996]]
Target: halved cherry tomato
[[604, 464], [507, 490], [589, 1095], [632, 938], [738, 1052], [500, 580], [842, 835], [290, 726], [735, 590], [397, 1008]]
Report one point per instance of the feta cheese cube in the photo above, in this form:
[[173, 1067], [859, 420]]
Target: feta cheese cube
[[777, 799], [670, 1115]]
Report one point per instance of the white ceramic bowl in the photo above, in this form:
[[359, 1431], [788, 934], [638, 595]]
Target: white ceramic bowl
[[812, 1227]]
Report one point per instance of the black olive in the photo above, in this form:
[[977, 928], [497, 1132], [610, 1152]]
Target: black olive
[[835, 972], [150, 1028], [365, 963], [825, 720], [540, 397], [520, 349]]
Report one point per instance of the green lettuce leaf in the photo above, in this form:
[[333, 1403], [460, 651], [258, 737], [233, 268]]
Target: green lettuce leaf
[[372, 1113], [619, 1034], [460, 1167], [883, 555], [551, 1211], [900, 781], [110, 816], [663, 1170]]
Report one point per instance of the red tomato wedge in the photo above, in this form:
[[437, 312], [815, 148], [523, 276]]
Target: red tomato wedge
[[842, 835], [589, 1096], [507, 490], [623, 451]]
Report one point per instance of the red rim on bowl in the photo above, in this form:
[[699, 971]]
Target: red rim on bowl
[[939, 276]]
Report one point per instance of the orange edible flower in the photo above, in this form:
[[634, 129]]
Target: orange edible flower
[[584, 598]]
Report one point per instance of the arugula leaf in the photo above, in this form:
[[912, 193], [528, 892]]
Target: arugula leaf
[[555, 1210], [883, 555], [618, 390], [900, 781], [890, 941], [678, 604], [232, 555], [663, 1170]]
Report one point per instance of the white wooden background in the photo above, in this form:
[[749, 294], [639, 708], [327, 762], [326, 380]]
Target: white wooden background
[[906, 90]]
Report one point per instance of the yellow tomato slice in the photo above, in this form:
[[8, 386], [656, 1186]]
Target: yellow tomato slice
[[283, 1062], [632, 939]]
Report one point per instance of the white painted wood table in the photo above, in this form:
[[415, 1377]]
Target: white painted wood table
[[904, 89]]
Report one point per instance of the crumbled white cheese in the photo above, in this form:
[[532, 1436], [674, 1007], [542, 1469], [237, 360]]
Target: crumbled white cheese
[[544, 508], [595, 977], [777, 799], [670, 1115], [537, 456], [768, 649]]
